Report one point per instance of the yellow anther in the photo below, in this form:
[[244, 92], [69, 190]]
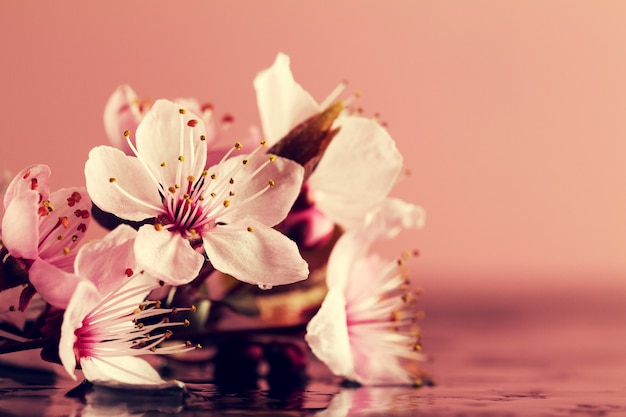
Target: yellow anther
[[213, 176], [172, 190], [245, 162], [250, 229], [213, 195], [238, 145], [205, 173], [202, 137], [186, 323], [272, 158], [112, 179], [182, 111], [191, 178], [231, 181], [271, 183], [127, 133], [263, 143], [226, 203], [231, 193], [181, 158], [192, 308], [163, 164], [66, 251], [158, 227]]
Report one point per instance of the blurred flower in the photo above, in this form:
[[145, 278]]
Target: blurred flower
[[228, 210], [107, 323], [43, 229], [366, 327], [355, 173]]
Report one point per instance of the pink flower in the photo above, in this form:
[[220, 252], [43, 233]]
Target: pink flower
[[365, 329], [359, 167], [228, 210], [44, 228], [103, 327]]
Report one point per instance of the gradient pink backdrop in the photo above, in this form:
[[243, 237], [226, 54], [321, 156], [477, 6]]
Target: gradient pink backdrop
[[510, 114]]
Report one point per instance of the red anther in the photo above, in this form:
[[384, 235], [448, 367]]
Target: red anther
[[192, 123], [42, 211], [228, 118], [129, 272], [26, 174], [82, 227], [33, 183], [206, 106], [83, 214], [74, 198]]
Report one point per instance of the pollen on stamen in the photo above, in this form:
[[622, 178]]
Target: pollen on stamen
[[213, 195], [226, 203], [272, 158], [66, 251], [112, 179], [181, 158], [158, 227], [205, 173], [163, 164], [263, 142], [191, 178], [250, 229], [238, 145], [182, 111], [127, 133], [271, 183]]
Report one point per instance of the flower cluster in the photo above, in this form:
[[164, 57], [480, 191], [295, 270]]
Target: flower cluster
[[193, 222]]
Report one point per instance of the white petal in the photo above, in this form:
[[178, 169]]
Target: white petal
[[35, 177], [167, 255], [327, 335], [107, 164], [392, 216], [282, 102], [263, 256], [272, 206], [20, 226], [84, 298], [120, 371], [164, 136], [357, 171], [104, 261]]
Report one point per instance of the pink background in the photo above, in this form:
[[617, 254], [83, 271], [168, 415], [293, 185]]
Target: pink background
[[510, 114]]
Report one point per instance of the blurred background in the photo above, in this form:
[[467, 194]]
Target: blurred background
[[510, 115]]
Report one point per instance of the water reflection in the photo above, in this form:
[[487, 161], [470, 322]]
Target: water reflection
[[370, 401]]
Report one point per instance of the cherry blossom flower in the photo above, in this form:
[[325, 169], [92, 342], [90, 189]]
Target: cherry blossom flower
[[103, 326], [44, 229], [228, 209], [366, 327], [357, 170]]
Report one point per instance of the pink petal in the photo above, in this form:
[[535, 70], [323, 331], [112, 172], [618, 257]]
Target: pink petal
[[272, 206], [120, 371], [35, 177], [262, 256], [392, 216], [58, 239], [167, 256], [20, 225], [107, 165], [282, 102], [106, 262], [122, 112], [83, 299], [164, 135], [53, 284], [327, 335], [357, 171]]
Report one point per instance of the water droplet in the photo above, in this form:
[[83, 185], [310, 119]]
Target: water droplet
[[265, 286]]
